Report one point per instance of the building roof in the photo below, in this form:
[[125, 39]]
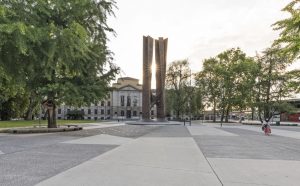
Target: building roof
[[127, 81]]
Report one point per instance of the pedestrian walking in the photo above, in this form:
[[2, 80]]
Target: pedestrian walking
[[266, 127]]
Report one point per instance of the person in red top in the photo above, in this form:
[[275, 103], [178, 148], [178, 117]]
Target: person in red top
[[266, 128]]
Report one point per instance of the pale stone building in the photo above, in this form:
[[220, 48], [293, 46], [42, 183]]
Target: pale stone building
[[123, 102], [126, 99]]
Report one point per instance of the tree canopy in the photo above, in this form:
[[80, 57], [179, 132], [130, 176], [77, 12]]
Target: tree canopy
[[58, 49]]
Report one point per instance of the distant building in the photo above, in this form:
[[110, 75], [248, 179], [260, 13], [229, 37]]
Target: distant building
[[123, 102], [294, 117]]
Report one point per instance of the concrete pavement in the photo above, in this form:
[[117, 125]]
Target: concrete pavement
[[201, 154], [144, 161]]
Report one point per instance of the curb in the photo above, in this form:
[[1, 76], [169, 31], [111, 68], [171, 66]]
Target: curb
[[258, 124], [39, 130]]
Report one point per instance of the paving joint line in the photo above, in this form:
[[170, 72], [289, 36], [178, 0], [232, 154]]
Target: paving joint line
[[210, 165]]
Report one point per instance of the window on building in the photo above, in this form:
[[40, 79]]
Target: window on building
[[108, 112], [108, 96], [122, 101], [89, 111], [134, 113], [96, 104], [59, 111], [128, 101], [108, 103], [102, 111], [135, 101], [102, 103], [95, 118], [82, 111], [89, 117], [96, 111], [68, 110], [122, 112], [152, 112]]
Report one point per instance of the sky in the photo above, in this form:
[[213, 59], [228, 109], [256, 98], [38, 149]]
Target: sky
[[196, 29]]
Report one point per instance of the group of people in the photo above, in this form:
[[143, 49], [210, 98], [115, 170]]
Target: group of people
[[266, 127]]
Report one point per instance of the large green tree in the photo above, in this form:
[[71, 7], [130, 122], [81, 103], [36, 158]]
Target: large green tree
[[179, 90], [273, 83], [208, 81], [60, 49], [227, 80]]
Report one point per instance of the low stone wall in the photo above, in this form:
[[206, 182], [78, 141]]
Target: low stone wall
[[39, 130]]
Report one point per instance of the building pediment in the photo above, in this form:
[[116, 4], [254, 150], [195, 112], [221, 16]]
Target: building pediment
[[129, 88]]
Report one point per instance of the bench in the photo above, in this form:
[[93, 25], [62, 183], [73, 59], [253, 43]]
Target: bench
[[188, 121], [72, 125]]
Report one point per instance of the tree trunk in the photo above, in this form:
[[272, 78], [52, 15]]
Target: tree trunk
[[52, 117], [4, 115], [259, 114], [227, 114], [29, 114], [32, 104], [5, 111], [51, 113], [222, 115], [214, 111], [177, 114]]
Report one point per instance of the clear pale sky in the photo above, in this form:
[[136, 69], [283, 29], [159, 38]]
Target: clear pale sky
[[197, 29]]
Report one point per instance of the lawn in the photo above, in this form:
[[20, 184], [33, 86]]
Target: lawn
[[22, 123]]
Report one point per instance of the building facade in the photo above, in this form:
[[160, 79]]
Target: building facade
[[123, 102]]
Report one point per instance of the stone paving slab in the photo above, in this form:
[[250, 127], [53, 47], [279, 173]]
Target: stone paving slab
[[101, 139], [16, 143], [169, 131], [245, 172], [101, 125], [278, 132], [208, 131], [112, 174], [26, 168], [145, 161], [127, 131], [249, 145]]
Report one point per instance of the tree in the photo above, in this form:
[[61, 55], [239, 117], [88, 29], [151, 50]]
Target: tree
[[12, 102], [289, 27], [227, 80], [208, 80], [178, 84], [293, 80], [273, 82], [60, 47]]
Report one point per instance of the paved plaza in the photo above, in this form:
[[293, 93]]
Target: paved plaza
[[115, 154]]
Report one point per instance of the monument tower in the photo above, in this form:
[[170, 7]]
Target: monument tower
[[160, 58]]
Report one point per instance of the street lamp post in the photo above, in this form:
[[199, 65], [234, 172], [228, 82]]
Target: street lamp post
[[222, 99], [190, 97]]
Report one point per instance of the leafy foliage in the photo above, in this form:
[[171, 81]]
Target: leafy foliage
[[58, 48], [179, 90], [289, 27], [227, 80]]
